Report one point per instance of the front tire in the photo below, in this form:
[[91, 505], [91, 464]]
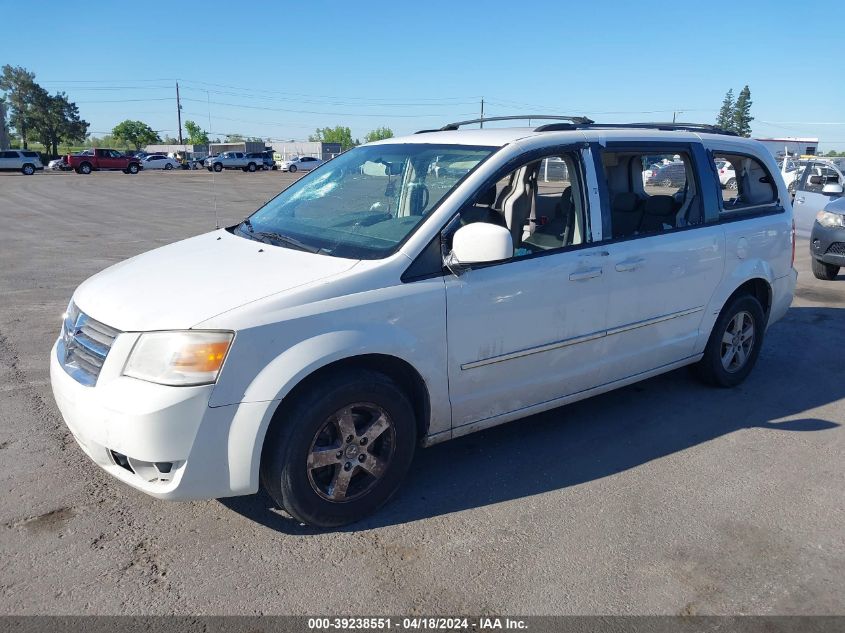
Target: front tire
[[133, 168], [825, 272], [218, 167], [292, 169], [734, 343], [340, 450]]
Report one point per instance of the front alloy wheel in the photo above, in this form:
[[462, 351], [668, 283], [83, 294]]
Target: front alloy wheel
[[351, 452], [340, 448]]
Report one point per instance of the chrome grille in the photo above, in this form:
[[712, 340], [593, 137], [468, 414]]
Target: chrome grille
[[84, 345]]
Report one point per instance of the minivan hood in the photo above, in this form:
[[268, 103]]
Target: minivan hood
[[182, 284]]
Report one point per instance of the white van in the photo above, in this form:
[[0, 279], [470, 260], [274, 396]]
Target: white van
[[363, 312]]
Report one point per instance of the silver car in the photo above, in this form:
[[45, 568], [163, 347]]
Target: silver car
[[22, 160]]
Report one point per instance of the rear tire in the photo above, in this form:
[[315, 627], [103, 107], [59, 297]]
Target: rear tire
[[734, 343], [731, 184], [84, 168], [28, 169], [825, 272], [360, 429], [250, 167], [168, 167]]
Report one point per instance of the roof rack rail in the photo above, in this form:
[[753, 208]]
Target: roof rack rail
[[576, 120], [668, 126]]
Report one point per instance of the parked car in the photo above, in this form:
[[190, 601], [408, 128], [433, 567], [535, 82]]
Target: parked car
[[820, 183], [669, 175], [22, 160], [259, 158], [361, 312], [232, 160], [727, 176], [827, 240], [58, 164], [300, 163], [159, 161], [103, 160]]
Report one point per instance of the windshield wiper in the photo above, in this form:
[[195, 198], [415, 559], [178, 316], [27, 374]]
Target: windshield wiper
[[270, 237]]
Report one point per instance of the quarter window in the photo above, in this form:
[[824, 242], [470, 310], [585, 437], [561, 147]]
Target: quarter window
[[744, 181]]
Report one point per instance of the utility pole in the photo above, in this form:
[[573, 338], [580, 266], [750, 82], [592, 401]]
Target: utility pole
[[481, 123], [4, 132], [179, 112]]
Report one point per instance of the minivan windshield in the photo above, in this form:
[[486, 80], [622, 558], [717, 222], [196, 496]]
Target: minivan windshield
[[365, 202]]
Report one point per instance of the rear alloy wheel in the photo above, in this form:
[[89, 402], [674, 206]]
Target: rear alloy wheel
[[28, 169], [251, 167], [168, 167], [731, 184], [85, 168], [339, 450], [734, 343], [825, 272], [666, 183]]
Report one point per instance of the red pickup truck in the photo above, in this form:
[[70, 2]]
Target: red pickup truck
[[103, 160]]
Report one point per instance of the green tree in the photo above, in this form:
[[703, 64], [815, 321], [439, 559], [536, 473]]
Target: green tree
[[196, 135], [56, 119], [136, 133], [725, 120], [378, 134], [742, 113], [21, 94], [337, 134], [235, 138]]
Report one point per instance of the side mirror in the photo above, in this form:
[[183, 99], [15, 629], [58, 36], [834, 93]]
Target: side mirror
[[832, 189], [480, 243]]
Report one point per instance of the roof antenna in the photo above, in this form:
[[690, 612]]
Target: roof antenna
[[213, 185]]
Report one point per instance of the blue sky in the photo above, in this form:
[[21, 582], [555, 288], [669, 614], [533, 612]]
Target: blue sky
[[279, 70]]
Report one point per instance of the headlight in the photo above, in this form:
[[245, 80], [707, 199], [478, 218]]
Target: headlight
[[830, 220], [178, 358]]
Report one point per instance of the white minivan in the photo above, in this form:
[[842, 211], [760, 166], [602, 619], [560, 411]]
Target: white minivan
[[362, 312]]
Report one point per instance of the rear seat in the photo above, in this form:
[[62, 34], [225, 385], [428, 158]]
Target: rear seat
[[658, 214], [626, 214]]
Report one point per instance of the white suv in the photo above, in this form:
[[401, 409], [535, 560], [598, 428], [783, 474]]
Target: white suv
[[22, 160], [365, 311]]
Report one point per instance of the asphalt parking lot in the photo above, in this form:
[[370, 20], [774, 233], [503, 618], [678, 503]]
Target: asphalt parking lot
[[666, 497]]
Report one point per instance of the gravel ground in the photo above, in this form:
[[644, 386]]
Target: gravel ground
[[666, 497]]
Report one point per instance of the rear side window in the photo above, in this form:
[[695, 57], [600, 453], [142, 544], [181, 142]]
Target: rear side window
[[31, 154], [651, 192], [745, 182]]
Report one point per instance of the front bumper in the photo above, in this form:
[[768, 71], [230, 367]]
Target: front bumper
[[828, 245], [133, 429]]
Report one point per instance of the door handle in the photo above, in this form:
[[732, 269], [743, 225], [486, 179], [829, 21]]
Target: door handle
[[799, 200], [595, 254], [629, 264], [583, 275]]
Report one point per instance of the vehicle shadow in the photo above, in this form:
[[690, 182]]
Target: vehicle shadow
[[614, 432]]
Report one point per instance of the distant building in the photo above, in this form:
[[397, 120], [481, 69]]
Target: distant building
[[316, 149], [240, 146], [794, 145]]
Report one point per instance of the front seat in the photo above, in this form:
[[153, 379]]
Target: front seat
[[558, 231], [517, 205]]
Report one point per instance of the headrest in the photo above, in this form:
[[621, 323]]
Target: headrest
[[488, 197], [659, 205], [626, 201]]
